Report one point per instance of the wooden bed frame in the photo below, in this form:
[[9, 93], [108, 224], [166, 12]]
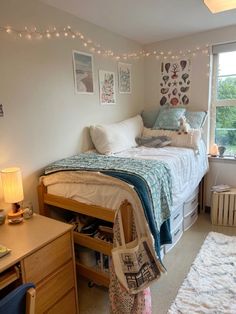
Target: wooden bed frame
[[47, 201]]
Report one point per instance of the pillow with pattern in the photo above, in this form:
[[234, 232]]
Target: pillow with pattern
[[168, 117], [153, 141], [196, 119]]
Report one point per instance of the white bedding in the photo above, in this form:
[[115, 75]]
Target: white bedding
[[187, 170]]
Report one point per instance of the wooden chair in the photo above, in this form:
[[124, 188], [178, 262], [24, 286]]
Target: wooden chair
[[19, 301]]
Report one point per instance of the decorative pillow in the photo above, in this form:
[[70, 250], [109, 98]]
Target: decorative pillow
[[153, 141], [114, 138], [149, 117], [168, 117], [196, 119], [189, 140]]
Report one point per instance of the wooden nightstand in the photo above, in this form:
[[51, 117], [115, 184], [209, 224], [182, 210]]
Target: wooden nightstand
[[42, 251]]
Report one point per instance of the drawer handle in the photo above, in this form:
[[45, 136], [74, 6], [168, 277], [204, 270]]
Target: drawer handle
[[175, 234], [176, 216], [193, 201], [193, 214]]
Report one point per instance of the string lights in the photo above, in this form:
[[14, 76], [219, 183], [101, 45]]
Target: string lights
[[96, 48]]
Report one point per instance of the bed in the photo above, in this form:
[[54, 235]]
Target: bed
[[98, 190]]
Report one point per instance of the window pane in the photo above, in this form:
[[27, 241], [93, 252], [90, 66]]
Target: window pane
[[225, 132], [227, 63], [226, 87]]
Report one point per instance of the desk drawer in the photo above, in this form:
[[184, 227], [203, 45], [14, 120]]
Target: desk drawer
[[54, 288], [49, 258], [65, 305]]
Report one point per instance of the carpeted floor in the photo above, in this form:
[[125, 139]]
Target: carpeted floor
[[210, 285], [177, 261]]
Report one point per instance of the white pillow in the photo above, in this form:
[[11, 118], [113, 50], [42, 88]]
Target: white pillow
[[190, 140], [114, 138]]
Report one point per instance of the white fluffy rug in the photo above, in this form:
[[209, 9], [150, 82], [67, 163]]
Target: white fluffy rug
[[210, 286]]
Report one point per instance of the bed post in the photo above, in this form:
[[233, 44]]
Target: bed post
[[43, 208], [126, 210]]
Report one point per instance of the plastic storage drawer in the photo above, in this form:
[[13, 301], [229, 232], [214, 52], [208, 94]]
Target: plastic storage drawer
[[176, 235], [191, 203], [190, 219]]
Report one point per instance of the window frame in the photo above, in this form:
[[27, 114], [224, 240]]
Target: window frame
[[214, 101]]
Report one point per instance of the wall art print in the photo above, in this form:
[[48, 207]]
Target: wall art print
[[124, 77], [107, 87], [83, 72], [175, 82]]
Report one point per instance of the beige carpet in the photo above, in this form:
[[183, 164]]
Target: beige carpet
[[177, 261]]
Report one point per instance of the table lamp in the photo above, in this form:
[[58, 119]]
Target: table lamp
[[12, 190]]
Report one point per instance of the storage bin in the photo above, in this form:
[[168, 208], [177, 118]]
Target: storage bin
[[191, 203], [190, 218], [176, 235], [223, 208], [176, 217]]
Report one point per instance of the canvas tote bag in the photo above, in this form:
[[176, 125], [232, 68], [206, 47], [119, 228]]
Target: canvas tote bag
[[135, 263]]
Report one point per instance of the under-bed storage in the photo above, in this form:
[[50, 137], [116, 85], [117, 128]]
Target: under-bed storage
[[182, 218], [90, 272], [176, 235], [190, 210]]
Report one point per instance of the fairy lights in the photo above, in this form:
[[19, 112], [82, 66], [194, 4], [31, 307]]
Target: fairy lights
[[67, 32]]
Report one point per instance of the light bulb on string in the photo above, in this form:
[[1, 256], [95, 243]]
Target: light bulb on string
[[33, 33]]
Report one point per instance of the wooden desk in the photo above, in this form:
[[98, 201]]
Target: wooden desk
[[43, 253]]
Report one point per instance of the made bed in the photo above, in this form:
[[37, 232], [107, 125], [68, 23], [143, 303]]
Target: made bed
[[97, 184]]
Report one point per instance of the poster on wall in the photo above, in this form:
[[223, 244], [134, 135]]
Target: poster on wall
[[83, 72], [124, 78], [175, 82], [107, 87]]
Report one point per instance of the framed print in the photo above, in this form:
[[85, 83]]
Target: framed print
[[175, 82], [83, 72], [107, 87], [124, 74]]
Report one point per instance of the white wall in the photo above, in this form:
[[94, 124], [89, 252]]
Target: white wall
[[200, 85], [44, 119]]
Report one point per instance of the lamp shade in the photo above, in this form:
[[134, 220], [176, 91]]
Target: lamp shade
[[12, 185]]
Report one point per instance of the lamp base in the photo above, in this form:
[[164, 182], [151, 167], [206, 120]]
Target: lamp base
[[12, 215]]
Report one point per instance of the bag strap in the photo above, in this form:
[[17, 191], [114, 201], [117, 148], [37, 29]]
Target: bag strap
[[122, 235]]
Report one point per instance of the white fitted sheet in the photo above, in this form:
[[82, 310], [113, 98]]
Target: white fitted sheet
[[187, 169]]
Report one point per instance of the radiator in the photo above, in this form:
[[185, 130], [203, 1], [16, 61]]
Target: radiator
[[223, 208]]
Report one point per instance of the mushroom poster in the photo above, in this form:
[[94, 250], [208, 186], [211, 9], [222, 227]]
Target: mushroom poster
[[175, 82]]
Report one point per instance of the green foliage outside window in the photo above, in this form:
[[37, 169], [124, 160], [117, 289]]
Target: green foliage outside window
[[226, 115]]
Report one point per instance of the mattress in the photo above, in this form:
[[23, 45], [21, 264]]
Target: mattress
[[187, 169]]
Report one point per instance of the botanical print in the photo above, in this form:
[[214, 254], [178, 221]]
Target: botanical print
[[107, 87], [175, 82], [83, 72], [124, 72]]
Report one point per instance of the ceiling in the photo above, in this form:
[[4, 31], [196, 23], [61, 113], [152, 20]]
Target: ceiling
[[147, 21]]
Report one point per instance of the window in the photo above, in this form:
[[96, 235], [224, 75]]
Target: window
[[223, 111]]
